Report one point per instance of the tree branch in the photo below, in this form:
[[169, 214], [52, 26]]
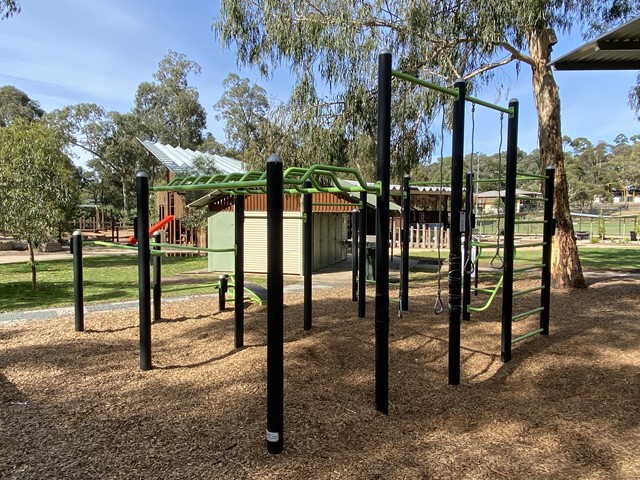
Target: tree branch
[[489, 66]]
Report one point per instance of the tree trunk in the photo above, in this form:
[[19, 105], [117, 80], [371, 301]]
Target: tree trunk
[[566, 271], [32, 264], [125, 200]]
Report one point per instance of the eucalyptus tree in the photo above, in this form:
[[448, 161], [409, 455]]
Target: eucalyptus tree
[[169, 108], [39, 183], [338, 41], [15, 104], [8, 8]]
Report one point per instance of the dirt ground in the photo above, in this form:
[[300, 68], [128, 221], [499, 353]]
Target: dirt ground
[[75, 405]]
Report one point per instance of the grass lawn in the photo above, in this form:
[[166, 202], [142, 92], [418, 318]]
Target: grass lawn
[[115, 278], [106, 279]]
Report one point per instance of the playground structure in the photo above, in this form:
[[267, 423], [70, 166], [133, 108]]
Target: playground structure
[[320, 178]]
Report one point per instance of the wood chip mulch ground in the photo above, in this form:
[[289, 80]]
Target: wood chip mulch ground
[[75, 405]]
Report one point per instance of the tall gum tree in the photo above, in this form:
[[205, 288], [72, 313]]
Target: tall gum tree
[[338, 41]]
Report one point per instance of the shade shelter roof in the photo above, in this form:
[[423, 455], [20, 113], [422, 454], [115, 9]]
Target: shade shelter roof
[[180, 161], [618, 49]]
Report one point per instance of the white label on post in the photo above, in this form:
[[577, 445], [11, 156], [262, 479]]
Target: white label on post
[[463, 217], [272, 436]]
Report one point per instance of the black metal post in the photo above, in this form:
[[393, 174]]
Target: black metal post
[[455, 250], [382, 232], [406, 221], [223, 287], [354, 255], [468, 267], [307, 262], [144, 283], [78, 284], [157, 279], [362, 256], [275, 319], [509, 232], [547, 238], [238, 270]]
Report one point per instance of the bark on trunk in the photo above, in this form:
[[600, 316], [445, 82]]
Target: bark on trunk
[[32, 263], [566, 271]]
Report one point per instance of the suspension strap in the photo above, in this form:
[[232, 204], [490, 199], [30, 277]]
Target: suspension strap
[[438, 308], [497, 261], [469, 266]]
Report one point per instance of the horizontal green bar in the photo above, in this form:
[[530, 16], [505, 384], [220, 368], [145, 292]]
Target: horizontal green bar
[[485, 244], [403, 76], [123, 247], [527, 335], [493, 106], [517, 293], [482, 290], [524, 245], [528, 313], [531, 176], [192, 248], [530, 267], [530, 222]]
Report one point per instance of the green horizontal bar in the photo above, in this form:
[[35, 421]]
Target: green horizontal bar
[[528, 313], [488, 304], [403, 76], [530, 267], [477, 101], [517, 293], [485, 245], [123, 247], [524, 245], [488, 180], [531, 176], [530, 222], [482, 290], [192, 248], [527, 335]]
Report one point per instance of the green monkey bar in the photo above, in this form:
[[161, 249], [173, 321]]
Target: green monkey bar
[[323, 178]]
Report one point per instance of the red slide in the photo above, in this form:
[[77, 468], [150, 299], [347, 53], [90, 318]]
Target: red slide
[[133, 240]]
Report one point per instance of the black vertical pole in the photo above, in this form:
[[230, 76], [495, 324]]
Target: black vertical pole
[[382, 232], [354, 255], [144, 284], [455, 250], [307, 264], [275, 320], [406, 220], [78, 284], [157, 279], [547, 238], [509, 231], [362, 256], [223, 287], [238, 270], [468, 261]]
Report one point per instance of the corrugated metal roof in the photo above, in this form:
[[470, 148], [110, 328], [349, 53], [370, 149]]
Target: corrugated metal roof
[[618, 49], [180, 160]]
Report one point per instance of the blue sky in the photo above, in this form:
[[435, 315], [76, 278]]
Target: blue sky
[[74, 51]]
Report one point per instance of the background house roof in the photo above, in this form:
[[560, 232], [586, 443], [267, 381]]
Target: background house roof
[[617, 50], [180, 160]]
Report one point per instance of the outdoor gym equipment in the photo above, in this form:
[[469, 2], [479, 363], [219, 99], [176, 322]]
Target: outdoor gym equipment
[[274, 182]]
